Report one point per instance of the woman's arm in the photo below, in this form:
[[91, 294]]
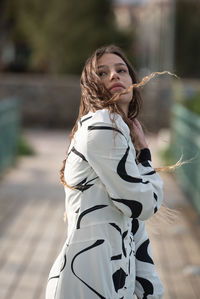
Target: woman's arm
[[110, 155]]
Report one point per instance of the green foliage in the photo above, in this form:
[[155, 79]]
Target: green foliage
[[187, 41], [166, 155], [187, 93], [62, 34], [24, 149], [194, 103]]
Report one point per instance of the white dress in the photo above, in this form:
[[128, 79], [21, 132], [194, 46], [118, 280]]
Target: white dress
[[107, 252]]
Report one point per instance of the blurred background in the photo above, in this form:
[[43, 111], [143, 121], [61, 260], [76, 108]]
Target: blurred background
[[43, 48]]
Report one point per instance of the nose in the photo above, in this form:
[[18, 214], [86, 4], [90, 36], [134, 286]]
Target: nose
[[114, 75]]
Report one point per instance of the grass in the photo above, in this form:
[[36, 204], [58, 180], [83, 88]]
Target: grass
[[24, 148], [167, 156]]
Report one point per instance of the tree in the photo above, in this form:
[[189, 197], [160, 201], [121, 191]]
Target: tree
[[61, 34], [187, 41]]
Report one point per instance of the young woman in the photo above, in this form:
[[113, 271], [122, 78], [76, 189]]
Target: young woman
[[111, 189]]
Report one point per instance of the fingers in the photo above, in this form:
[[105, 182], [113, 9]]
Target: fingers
[[139, 133], [136, 123]]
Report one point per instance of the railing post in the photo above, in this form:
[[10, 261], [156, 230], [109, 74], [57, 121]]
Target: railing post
[[9, 131], [186, 141]]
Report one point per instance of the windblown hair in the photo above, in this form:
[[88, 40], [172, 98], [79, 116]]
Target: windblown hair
[[95, 96]]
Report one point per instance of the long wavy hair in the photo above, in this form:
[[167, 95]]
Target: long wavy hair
[[94, 96]]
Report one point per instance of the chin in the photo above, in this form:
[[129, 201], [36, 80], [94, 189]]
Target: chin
[[125, 99]]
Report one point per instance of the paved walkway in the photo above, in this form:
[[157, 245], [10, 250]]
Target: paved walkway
[[32, 230]]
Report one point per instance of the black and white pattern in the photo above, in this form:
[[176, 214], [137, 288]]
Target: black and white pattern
[[107, 253]]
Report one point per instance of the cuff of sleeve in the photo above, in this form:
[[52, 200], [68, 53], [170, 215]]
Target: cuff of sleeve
[[144, 155]]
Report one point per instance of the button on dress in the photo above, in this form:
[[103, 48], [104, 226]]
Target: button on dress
[[107, 252]]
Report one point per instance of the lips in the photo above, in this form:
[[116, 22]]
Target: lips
[[116, 86]]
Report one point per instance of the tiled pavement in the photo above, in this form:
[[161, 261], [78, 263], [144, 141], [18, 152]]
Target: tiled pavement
[[32, 230]]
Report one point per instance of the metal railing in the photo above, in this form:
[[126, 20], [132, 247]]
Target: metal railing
[[9, 132], [186, 141]]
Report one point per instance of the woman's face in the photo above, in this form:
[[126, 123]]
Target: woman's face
[[115, 76]]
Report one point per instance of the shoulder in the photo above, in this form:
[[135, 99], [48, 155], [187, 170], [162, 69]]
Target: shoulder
[[97, 133], [103, 120]]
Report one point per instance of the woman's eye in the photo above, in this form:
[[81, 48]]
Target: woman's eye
[[101, 74], [121, 71]]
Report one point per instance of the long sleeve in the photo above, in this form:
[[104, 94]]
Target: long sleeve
[[145, 167], [112, 156]]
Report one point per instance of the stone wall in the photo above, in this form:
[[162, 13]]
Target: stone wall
[[46, 101], [53, 102], [157, 101]]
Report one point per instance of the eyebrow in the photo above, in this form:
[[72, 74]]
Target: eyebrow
[[116, 64]]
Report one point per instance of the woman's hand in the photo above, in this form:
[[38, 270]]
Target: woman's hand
[[140, 134]]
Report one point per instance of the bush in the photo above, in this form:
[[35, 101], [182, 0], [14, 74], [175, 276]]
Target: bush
[[24, 149], [193, 104], [187, 93]]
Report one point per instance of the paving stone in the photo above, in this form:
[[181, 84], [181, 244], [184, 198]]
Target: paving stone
[[32, 230]]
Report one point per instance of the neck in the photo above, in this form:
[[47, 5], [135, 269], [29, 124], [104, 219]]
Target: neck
[[124, 108]]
